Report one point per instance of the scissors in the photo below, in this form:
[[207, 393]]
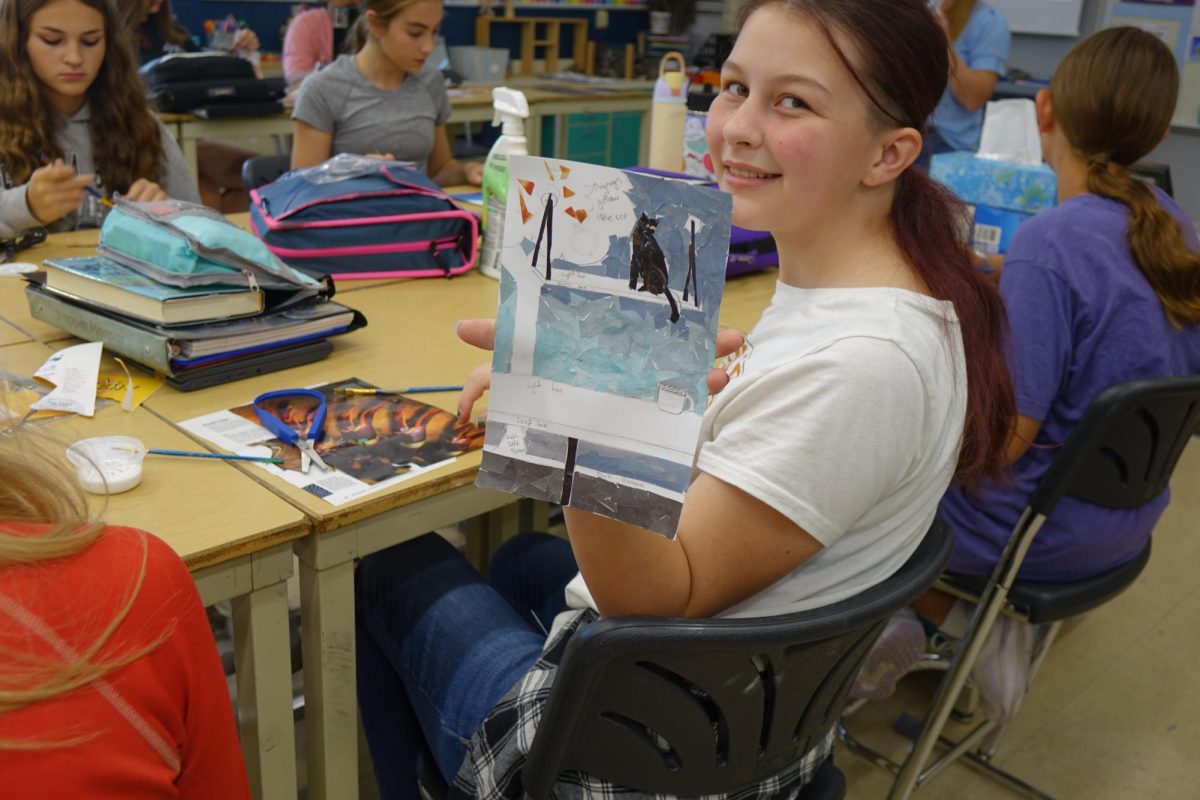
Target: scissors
[[308, 453]]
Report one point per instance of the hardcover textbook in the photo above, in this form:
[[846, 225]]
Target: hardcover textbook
[[111, 285]]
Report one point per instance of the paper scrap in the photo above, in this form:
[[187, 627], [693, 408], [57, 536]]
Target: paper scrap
[[73, 372]]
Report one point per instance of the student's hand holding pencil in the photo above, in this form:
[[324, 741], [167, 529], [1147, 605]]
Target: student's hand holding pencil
[[481, 333], [55, 191]]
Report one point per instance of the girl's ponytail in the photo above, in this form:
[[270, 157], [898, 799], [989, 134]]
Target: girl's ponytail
[[1113, 96], [931, 226], [1162, 254]]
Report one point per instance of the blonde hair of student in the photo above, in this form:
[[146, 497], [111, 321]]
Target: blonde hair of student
[[385, 12], [37, 488], [1113, 98]]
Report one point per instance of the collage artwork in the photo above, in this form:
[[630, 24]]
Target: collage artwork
[[610, 292]]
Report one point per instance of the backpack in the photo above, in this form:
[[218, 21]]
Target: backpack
[[228, 87], [357, 217]]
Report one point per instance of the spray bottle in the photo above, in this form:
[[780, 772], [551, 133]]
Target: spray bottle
[[511, 110]]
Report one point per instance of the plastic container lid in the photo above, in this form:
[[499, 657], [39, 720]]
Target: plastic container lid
[[108, 464]]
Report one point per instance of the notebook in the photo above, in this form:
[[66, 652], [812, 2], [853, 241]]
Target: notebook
[[114, 286]]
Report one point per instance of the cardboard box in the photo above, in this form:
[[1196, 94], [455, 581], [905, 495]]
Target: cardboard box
[[1002, 194]]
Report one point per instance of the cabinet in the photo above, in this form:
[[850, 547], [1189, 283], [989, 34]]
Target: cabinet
[[609, 139]]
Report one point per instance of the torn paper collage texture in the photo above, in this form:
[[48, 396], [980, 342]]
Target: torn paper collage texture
[[610, 291]]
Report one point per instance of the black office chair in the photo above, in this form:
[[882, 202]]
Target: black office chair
[[692, 707], [1120, 455], [260, 170], [700, 706]]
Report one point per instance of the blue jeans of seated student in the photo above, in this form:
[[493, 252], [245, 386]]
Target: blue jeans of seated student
[[438, 646]]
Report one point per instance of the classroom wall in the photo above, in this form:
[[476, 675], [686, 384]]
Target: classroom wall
[[268, 19]]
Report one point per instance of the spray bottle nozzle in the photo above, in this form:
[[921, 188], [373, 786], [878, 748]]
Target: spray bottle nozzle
[[510, 108]]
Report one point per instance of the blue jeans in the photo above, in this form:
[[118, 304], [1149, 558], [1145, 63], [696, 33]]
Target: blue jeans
[[438, 647]]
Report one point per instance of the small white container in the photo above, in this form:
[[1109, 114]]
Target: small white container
[[108, 464]]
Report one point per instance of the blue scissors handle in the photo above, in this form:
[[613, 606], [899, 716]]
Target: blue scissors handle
[[281, 429]]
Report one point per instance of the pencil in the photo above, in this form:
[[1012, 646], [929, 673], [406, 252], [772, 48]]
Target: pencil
[[94, 192], [409, 390], [221, 456]]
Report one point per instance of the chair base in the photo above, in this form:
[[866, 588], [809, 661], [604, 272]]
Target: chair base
[[910, 727]]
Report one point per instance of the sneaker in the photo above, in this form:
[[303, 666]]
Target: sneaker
[[897, 651]]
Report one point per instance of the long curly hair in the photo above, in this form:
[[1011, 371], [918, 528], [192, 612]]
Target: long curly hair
[[126, 138]]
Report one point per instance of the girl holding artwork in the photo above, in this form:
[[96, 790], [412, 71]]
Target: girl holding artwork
[[74, 124], [874, 378]]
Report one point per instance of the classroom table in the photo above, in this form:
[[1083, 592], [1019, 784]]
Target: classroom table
[[468, 103], [238, 549], [409, 340]]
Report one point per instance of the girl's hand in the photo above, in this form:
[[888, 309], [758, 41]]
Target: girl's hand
[[481, 333], [246, 41], [143, 191], [55, 191], [473, 172]]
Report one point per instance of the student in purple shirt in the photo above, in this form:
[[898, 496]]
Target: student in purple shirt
[[1102, 289]]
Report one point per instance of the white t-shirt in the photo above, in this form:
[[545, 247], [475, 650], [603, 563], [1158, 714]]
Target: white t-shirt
[[845, 415]]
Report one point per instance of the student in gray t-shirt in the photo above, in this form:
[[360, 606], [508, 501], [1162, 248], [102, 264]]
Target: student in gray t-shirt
[[385, 100]]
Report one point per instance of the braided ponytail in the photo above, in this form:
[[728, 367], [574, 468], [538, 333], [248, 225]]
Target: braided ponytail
[[1112, 122]]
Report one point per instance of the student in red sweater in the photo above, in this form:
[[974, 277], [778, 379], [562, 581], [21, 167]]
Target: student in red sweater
[[110, 682]]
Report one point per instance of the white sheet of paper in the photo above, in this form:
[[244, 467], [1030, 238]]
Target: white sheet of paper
[[73, 372]]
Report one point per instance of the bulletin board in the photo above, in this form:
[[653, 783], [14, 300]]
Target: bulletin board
[[1049, 17], [1177, 23]]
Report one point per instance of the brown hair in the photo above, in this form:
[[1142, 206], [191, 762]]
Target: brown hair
[[39, 493], [166, 28], [385, 12], [903, 59], [126, 141], [1113, 97]]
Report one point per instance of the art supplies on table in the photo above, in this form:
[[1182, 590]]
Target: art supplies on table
[[370, 441], [190, 245], [357, 217], [604, 338], [111, 285]]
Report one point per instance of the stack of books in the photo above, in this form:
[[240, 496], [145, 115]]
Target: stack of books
[[196, 336]]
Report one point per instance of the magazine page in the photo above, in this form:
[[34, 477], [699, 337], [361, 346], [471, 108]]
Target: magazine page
[[370, 441], [610, 291]]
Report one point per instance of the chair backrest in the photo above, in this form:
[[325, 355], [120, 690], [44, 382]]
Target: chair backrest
[[1123, 451], [260, 170], [694, 707]]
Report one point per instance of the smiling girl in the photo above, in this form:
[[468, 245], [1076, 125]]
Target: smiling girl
[[386, 99], [73, 116], [875, 376]]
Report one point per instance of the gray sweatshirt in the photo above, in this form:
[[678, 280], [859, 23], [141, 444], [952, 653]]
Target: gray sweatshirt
[[75, 140]]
